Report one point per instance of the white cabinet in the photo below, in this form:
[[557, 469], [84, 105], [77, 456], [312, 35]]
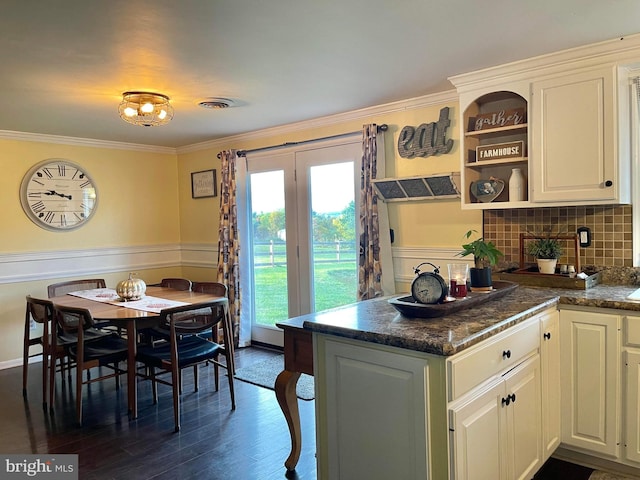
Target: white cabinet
[[574, 155], [385, 412], [550, 377], [373, 420], [632, 404], [576, 138], [631, 357], [590, 373], [497, 433]]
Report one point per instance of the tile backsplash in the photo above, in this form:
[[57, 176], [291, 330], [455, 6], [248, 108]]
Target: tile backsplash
[[611, 232]]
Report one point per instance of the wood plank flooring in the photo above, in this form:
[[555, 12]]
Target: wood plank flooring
[[214, 442]]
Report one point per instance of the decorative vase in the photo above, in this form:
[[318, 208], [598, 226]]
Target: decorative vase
[[516, 186], [480, 277], [547, 265]]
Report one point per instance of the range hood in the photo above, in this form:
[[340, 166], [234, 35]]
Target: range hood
[[424, 187]]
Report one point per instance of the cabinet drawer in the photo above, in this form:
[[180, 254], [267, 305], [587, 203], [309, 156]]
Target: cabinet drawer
[[492, 357], [631, 331]]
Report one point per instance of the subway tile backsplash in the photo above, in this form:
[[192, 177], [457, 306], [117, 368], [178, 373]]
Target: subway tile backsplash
[[611, 233]]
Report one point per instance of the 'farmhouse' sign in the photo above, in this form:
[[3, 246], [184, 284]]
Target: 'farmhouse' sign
[[500, 150], [427, 139], [503, 118]]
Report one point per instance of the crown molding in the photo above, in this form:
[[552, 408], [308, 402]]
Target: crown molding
[[83, 142], [618, 50], [424, 101]]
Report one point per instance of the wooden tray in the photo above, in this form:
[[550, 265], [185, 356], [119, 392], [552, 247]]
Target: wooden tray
[[531, 276], [408, 307]]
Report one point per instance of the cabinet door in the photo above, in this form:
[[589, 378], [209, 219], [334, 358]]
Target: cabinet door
[[590, 373], [550, 375], [524, 454], [573, 151], [376, 413], [479, 437], [632, 432]]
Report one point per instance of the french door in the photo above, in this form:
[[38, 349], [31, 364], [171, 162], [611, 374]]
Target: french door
[[302, 214]]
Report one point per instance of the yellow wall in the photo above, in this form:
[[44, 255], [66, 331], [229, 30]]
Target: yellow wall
[[439, 223], [137, 204], [145, 199]]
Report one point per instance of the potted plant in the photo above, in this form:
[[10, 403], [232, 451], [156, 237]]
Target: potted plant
[[485, 254], [546, 250]]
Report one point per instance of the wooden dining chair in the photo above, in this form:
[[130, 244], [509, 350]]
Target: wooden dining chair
[[40, 312], [182, 284], [186, 348], [218, 289], [75, 330], [62, 288]]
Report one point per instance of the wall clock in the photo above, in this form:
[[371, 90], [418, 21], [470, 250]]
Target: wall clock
[[58, 195]]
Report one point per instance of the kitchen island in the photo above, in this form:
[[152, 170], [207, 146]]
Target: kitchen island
[[432, 347]]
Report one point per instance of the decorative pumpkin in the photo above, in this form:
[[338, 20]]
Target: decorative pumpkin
[[132, 288]]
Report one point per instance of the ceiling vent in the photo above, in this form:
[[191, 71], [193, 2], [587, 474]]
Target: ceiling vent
[[216, 103], [425, 187]]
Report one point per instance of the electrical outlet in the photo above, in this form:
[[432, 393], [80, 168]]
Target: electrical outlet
[[584, 236]]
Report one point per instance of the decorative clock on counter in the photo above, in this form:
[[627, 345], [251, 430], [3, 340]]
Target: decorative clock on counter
[[58, 195]]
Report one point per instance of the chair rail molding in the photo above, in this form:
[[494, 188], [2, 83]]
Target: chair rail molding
[[33, 266], [405, 259]]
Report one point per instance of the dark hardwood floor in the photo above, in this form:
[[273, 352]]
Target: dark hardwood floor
[[214, 442], [250, 443]]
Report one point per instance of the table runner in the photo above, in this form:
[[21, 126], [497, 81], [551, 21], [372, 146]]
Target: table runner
[[109, 295]]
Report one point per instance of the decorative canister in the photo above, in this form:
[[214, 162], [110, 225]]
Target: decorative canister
[[132, 288], [516, 186]]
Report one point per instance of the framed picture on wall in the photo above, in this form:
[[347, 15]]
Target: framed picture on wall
[[203, 184]]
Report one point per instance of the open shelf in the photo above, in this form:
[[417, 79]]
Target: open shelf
[[502, 161], [503, 105]]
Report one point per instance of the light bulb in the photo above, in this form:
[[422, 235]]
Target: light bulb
[[130, 112], [147, 107], [162, 114]]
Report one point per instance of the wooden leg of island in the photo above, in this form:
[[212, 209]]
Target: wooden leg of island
[[298, 359], [286, 394]]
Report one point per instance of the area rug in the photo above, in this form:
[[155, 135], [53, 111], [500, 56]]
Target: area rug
[[600, 475], [264, 375]]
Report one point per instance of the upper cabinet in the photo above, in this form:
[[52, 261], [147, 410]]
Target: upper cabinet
[[574, 139], [558, 129]]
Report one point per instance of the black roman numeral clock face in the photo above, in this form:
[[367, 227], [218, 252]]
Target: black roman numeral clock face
[[58, 195]]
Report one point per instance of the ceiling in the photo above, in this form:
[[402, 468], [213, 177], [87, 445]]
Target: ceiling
[[65, 64]]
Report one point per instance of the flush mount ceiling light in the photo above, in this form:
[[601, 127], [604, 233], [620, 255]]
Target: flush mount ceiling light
[[146, 109]]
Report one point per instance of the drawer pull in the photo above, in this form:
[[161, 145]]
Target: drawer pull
[[547, 335], [506, 354]]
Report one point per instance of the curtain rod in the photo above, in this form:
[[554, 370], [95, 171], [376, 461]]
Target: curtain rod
[[243, 153]]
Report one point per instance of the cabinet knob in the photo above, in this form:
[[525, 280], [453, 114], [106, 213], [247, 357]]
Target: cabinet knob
[[547, 336], [506, 401], [608, 183], [513, 397], [506, 354]]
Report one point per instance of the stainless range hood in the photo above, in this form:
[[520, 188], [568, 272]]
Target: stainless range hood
[[424, 187]]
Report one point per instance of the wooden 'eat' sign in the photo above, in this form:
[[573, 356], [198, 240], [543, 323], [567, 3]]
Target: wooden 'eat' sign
[[502, 118]]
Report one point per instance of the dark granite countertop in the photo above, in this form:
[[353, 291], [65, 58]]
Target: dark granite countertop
[[378, 322]]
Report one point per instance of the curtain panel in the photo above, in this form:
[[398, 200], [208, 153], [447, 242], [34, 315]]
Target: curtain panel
[[228, 239], [369, 267]]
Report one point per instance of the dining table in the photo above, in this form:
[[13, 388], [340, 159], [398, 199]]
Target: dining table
[[118, 314]]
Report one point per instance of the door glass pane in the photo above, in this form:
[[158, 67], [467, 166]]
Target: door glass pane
[[333, 235], [269, 247]]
